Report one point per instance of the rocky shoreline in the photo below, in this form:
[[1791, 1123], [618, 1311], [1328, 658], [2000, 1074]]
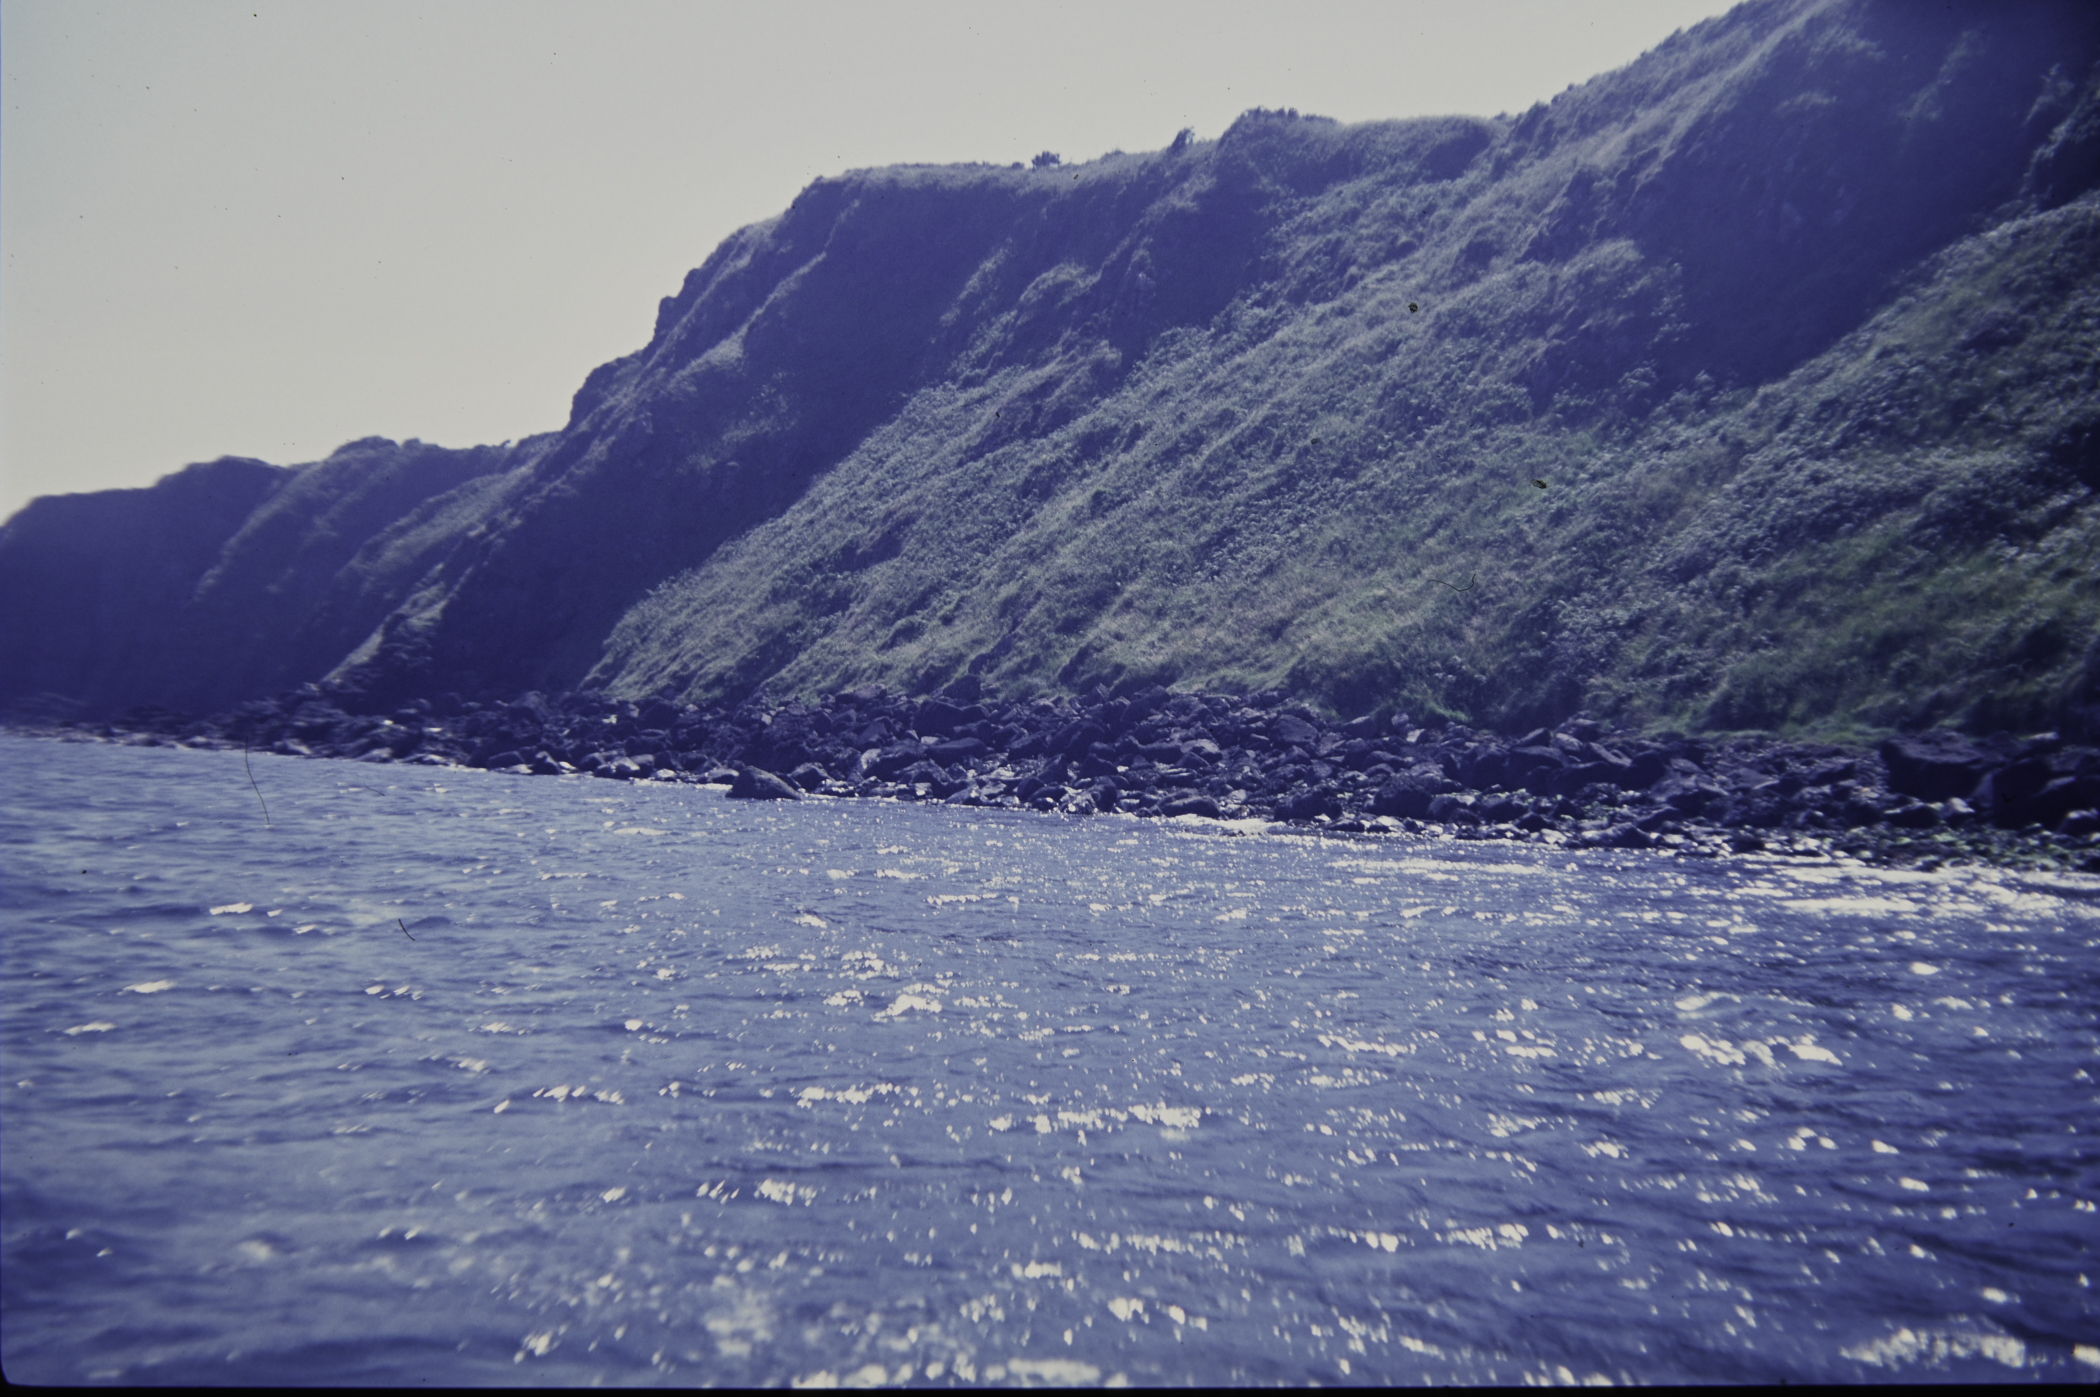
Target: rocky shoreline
[[1920, 800]]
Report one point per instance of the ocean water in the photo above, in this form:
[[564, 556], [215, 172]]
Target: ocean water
[[463, 1077]]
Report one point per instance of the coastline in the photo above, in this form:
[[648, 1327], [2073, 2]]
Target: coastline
[[1254, 761]]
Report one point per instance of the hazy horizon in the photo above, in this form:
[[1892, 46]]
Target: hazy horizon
[[268, 229]]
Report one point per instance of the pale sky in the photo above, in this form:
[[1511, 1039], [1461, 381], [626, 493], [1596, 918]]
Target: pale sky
[[265, 229]]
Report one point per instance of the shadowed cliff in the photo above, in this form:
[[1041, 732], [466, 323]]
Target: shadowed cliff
[[1749, 386]]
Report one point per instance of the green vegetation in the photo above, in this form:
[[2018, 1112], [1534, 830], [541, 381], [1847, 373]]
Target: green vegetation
[[1794, 318], [1893, 534]]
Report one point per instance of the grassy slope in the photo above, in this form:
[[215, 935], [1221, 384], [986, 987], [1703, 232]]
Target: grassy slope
[[1895, 531]]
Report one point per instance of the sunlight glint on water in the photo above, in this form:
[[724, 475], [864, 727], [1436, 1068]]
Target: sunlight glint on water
[[648, 1085]]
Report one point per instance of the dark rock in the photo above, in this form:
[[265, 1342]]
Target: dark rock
[[1105, 795], [1308, 804], [922, 772], [958, 750], [1914, 816], [1407, 796], [1688, 795], [1190, 805], [894, 759], [1289, 730], [1077, 736], [2046, 806], [1934, 765], [2004, 789], [1533, 768], [1483, 768], [1748, 810], [1096, 765], [938, 716], [1504, 811], [1452, 809], [1572, 779], [1829, 773], [1647, 769], [753, 783], [1858, 809], [809, 776]]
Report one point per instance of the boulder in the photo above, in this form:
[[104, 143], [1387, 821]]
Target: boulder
[[1407, 796], [892, 760], [754, 783], [1289, 730], [2012, 808], [2007, 788], [938, 716], [1934, 765], [1533, 768], [1453, 810], [1505, 811], [1484, 768], [1096, 765], [1687, 795], [1570, 780], [1077, 736], [1190, 805], [1648, 768], [959, 749], [1305, 805], [809, 776]]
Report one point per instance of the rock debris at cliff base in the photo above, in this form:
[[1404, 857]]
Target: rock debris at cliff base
[[1916, 799]]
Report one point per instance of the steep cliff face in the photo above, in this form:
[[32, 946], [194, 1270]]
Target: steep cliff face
[[1275, 410], [94, 585], [229, 579]]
